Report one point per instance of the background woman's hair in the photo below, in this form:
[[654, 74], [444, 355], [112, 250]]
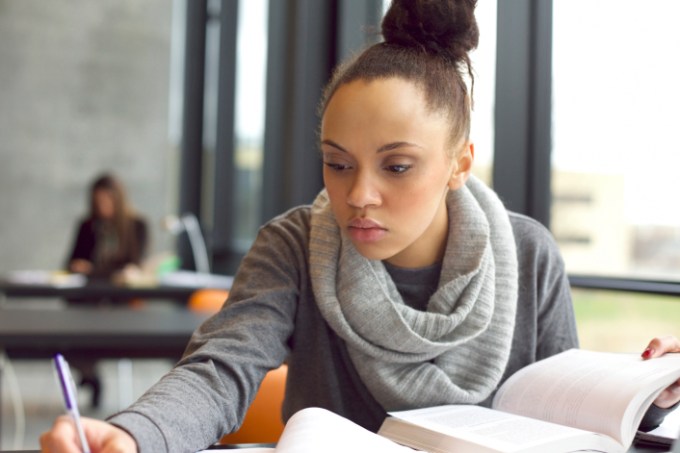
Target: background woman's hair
[[109, 183], [426, 42]]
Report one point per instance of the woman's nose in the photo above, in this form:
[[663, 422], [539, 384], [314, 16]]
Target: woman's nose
[[363, 192]]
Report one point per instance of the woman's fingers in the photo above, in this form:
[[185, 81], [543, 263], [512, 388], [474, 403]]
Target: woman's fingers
[[101, 436], [661, 345], [656, 348], [61, 438], [670, 396]]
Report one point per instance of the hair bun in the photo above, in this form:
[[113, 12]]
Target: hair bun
[[446, 27]]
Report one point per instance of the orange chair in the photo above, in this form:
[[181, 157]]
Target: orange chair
[[262, 423], [207, 300]]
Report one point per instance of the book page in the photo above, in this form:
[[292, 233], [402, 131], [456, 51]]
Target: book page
[[314, 430], [475, 429], [596, 391]]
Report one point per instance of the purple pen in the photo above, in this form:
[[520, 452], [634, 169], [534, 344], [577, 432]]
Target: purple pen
[[68, 389]]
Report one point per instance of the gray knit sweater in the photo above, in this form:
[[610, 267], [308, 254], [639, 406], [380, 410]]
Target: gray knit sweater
[[272, 316]]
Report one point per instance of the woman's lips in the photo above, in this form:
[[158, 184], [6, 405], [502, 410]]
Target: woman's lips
[[365, 230]]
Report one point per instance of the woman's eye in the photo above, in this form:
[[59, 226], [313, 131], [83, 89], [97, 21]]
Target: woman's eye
[[398, 169], [336, 166]]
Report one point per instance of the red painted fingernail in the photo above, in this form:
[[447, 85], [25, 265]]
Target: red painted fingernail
[[647, 353]]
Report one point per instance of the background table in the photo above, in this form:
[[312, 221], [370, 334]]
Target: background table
[[175, 286], [96, 333]]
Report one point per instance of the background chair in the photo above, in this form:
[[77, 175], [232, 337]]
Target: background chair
[[207, 300], [262, 423]]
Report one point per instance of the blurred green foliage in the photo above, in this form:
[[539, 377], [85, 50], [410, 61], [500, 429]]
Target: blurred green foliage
[[623, 321]]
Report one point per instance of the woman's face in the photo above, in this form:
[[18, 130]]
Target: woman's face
[[387, 169], [104, 204]]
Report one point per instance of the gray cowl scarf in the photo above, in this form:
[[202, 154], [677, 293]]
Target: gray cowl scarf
[[455, 352]]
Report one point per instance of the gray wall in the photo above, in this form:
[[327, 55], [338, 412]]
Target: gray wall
[[83, 88]]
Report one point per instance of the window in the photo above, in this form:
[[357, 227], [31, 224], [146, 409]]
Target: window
[[614, 160], [616, 147], [484, 64], [250, 114], [623, 321]]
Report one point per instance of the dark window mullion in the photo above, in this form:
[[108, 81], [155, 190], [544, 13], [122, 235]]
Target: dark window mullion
[[192, 120], [225, 258], [521, 174]]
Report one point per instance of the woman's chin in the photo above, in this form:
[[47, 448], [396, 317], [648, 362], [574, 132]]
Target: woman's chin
[[372, 252]]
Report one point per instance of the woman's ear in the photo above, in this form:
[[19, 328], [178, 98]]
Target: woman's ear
[[462, 166]]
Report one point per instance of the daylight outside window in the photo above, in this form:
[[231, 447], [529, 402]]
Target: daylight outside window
[[250, 113], [615, 157]]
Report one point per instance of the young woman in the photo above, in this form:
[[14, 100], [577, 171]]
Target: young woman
[[112, 236], [405, 284]]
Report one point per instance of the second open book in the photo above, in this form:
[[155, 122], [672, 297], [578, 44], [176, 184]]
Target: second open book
[[574, 401]]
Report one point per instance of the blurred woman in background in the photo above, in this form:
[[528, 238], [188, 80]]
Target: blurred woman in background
[[112, 236]]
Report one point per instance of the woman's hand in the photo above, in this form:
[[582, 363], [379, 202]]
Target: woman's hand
[[102, 437], [80, 266], [656, 348]]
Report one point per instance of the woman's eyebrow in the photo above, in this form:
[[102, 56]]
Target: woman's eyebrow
[[383, 148], [396, 145], [333, 144]]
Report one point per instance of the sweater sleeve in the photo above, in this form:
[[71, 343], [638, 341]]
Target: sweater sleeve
[[655, 416], [556, 320], [208, 392], [543, 279]]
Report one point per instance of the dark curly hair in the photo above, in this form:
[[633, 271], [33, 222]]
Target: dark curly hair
[[426, 42]]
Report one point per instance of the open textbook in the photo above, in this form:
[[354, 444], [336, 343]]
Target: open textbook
[[574, 401]]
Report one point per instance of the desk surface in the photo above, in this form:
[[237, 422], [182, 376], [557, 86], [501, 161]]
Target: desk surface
[[173, 286], [96, 333], [96, 290]]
